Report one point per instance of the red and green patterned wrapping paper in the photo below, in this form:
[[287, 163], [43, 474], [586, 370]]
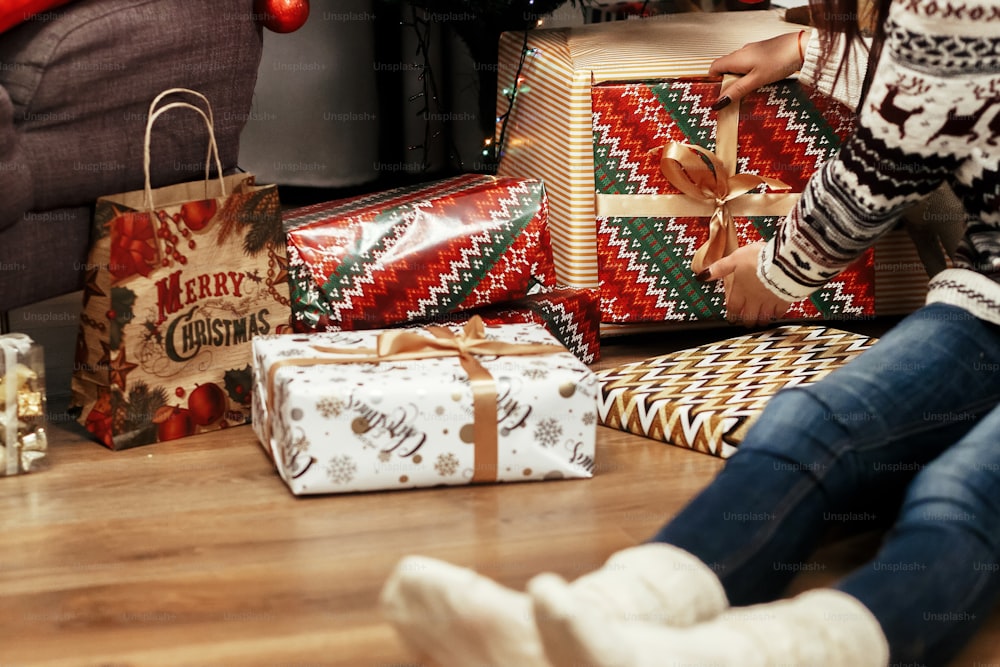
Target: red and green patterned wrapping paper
[[417, 252], [786, 131], [572, 315]]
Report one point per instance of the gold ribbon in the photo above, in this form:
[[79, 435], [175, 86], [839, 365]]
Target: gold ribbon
[[407, 345], [709, 189]]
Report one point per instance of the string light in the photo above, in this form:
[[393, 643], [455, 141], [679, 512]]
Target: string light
[[494, 149], [429, 94]]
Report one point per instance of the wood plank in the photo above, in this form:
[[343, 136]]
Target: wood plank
[[194, 552]]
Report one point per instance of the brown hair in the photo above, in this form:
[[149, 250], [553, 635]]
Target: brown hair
[[853, 19]]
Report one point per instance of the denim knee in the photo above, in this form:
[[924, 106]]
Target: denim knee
[[957, 491], [798, 425]]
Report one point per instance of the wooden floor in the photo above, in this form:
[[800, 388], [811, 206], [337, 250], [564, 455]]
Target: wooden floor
[[195, 553]]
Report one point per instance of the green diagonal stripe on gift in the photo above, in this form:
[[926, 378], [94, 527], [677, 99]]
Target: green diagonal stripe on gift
[[377, 234], [683, 114], [388, 224], [808, 114], [649, 238]]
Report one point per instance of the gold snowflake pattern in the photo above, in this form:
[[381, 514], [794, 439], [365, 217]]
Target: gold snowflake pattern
[[330, 407], [446, 465], [589, 418], [384, 456], [341, 469], [548, 432]]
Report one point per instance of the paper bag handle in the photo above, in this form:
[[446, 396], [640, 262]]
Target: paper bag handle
[[213, 147]]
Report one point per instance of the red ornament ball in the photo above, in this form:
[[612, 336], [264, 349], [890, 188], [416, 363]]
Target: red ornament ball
[[281, 15]]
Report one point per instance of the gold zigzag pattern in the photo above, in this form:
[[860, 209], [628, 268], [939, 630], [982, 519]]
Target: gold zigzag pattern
[[706, 397]]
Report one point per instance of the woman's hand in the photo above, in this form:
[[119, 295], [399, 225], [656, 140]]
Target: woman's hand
[[760, 63], [748, 301]]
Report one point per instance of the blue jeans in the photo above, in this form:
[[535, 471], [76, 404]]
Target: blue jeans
[[907, 434]]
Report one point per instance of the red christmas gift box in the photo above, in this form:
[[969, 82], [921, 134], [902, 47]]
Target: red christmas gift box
[[706, 397], [571, 315], [679, 186], [417, 252], [548, 128]]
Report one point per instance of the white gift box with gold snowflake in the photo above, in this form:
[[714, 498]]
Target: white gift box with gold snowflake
[[405, 408]]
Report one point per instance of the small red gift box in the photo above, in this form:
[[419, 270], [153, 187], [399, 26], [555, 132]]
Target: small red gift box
[[572, 315]]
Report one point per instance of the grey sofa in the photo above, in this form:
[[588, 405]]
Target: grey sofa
[[75, 84]]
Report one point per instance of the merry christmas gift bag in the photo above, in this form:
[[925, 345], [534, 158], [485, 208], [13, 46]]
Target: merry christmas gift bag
[[179, 280]]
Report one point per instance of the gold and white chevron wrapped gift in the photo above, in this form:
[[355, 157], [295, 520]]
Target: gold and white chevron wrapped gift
[[549, 134], [705, 398]]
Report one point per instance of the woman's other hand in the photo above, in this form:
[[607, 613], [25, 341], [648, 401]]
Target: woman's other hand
[[748, 300], [760, 63]]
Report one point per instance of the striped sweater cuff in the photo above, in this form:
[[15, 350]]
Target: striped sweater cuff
[[777, 280], [971, 291]]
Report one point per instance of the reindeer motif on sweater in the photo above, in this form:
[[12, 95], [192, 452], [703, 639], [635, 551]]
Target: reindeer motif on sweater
[[932, 116]]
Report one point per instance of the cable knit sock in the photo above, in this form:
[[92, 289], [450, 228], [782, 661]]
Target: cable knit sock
[[462, 619], [821, 628]]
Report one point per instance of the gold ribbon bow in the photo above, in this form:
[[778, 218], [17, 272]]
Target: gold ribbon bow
[[709, 189], [717, 185], [406, 345]]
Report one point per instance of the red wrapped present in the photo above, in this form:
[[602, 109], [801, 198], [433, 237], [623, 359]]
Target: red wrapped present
[[679, 186], [417, 252], [570, 314]]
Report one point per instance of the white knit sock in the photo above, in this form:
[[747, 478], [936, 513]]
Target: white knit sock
[[821, 628], [459, 618], [462, 619]]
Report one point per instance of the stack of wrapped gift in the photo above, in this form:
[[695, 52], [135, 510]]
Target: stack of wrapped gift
[[435, 252], [434, 346], [597, 110], [22, 404], [409, 407], [705, 398]]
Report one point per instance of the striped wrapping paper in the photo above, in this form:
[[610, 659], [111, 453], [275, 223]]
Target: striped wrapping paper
[[549, 132]]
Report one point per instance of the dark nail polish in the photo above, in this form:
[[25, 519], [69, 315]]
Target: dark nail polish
[[703, 275], [721, 103]]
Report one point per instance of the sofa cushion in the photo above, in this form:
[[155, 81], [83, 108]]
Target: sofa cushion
[[15, 179], [36, 263], [81, 85], [74, 93], [13, 12]]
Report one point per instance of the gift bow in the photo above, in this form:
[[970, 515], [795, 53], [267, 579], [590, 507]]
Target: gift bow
[[407, 345], [708, 189], [718, 185]]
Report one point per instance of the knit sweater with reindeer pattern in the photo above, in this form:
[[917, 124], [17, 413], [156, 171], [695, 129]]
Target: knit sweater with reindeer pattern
[[932, 115]]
